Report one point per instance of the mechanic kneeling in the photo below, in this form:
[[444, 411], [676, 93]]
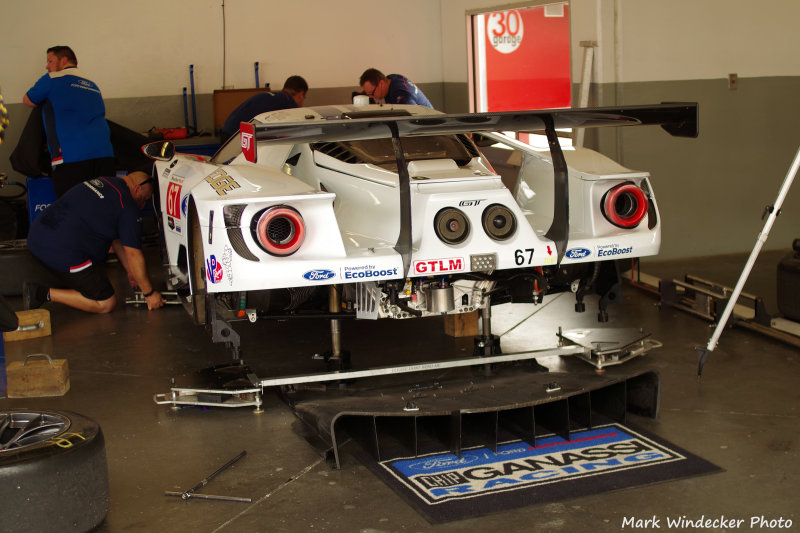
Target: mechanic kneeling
[[72, 238]]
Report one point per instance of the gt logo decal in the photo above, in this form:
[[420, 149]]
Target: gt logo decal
[[174, 200], [221, 182]]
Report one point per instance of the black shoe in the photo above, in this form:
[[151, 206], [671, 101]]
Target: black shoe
[[30, 298]]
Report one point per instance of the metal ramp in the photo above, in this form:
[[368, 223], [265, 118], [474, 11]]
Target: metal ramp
[[405, 421]]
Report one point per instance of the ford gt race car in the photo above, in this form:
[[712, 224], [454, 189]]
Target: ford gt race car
[[399, 212]]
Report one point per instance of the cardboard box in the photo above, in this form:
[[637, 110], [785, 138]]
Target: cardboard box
[[37, 376]]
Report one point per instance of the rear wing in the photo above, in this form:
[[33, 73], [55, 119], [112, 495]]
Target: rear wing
[[678, 119]]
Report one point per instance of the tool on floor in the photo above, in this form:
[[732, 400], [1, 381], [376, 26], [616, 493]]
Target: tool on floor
[[772, 212], [192, 494], [171, 297]]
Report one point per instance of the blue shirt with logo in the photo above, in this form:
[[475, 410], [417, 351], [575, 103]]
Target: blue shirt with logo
[[77, 230], [402, 91], [74, 116], [255, 105]]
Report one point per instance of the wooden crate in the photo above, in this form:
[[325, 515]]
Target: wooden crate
[[38, 375], [32, 323], [461, 325]]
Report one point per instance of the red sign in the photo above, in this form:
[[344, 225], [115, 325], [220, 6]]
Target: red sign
[[527, 59], [174, 200], [248, 133], [439, 266]]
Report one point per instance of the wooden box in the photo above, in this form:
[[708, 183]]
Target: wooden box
[[32, 323], [461, 325], [38, 375]]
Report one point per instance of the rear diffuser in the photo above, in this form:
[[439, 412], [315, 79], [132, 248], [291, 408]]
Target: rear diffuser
[[452, 415]]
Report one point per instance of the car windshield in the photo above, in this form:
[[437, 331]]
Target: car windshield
[[380, 152]]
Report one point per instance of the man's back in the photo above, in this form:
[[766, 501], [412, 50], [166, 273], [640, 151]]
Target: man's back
[[74, 115], [81, 225], [255, 105]]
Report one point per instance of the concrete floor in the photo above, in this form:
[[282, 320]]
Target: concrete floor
[[742, 416]]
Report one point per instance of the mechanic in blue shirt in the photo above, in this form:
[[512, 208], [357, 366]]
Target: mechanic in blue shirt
[[392, 89], [72, 238], [75, 121], [293, 95]]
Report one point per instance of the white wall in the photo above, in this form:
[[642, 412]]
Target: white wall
[[144, 47], [658, 40]]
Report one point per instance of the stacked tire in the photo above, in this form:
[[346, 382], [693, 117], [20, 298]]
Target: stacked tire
[[53, 471]]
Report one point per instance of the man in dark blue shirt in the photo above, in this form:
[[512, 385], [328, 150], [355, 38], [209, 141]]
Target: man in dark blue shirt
[[73, 235], [392, 89], [74, 113], [293, 95]]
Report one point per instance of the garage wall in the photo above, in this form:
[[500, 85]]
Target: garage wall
[[711, 190]]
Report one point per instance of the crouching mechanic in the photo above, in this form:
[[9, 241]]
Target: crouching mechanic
[[72, 237]]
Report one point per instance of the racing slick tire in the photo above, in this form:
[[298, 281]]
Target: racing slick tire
[[53, 471]]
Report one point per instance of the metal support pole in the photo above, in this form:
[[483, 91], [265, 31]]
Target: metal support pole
[[335, 303], [774, 211]]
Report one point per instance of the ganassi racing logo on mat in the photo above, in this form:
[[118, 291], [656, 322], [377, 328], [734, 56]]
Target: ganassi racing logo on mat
[[480, 471], [213, 269]]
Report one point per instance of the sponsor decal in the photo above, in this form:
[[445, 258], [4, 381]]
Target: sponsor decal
[[470, 203], [611, 250], [174, 200], [171, 223], [227, 261], [185, 205], [248, 136], [577, 253], [221, 182], [213, 270], [366, 272], [479, 471], [504, 30], [38, 208], [319, 274], [439, 266]]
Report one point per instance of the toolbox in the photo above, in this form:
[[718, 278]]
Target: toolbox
[[38, 375], [32, 324], [789, 284]]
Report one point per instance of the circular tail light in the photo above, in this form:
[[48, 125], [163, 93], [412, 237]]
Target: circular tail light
[[499, 222], [279, 230], [451, 225], [625, 205]]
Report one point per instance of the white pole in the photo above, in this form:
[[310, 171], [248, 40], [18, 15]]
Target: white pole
[[762, 238]]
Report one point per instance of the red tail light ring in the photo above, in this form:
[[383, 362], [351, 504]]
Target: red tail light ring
[[625, 205], [279, 230]]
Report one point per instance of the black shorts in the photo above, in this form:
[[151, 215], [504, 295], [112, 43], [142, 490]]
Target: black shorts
[[91, 282]]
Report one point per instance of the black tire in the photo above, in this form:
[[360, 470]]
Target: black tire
[[53, 471], [17, 265]]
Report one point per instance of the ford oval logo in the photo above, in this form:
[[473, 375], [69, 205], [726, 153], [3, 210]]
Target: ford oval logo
[[578, 253], [318, 275]]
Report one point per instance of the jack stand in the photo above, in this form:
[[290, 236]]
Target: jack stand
[[170, 297], [336, 359], [222, 331], [487, 345]]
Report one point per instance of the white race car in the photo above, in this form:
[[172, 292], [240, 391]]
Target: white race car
[[397, 212]]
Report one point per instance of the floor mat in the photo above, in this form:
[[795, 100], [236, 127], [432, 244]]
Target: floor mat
[[444, 487]]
